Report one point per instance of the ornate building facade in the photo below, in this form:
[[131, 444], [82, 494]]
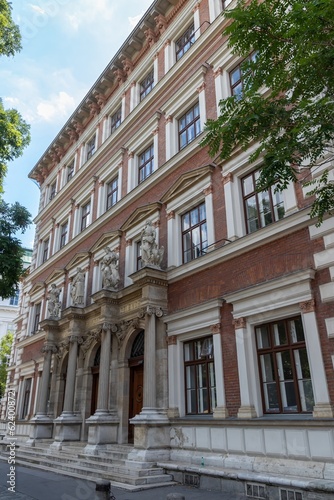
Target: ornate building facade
[[169, 304]]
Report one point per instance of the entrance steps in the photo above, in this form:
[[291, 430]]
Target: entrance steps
[[110, 463]]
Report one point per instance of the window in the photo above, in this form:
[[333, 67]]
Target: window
[[14, 301], [200, 383], [26, 397], [185, 41], [225, 3], [52, 190], [63, 234], [45, 253], [115, 120], [189, 126], [145, 167], [146, 85], [37, 317], [70, 171], [261, 208], [90, 147], [85, 216], [237, 76], [284, 367], [112, 193], [139, 264], [194, 233]]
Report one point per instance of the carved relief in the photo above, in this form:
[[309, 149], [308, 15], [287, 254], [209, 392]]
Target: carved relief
[[151, 254], [239, 323], [54, 304], [215, 328], [151, 36], [93, 336], [161, 23], [307, 306], [110, 270]]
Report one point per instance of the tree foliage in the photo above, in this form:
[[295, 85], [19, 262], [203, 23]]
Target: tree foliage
[[293, 122], [5, 348], [13, 218], [14, 131]]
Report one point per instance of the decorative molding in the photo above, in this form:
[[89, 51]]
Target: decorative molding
[[151, 36], [49, 347], [172, 340], [227, 178], [201, 87], [215, 328], [217, 72], [170, 215], [161, 23], [93, 336], [63, 347], [208, 190], [239, 323], [307, 306]]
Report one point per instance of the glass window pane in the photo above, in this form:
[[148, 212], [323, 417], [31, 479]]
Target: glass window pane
[[296, 330], [186, 221], [248, 185], [235, 75], [251, 214], [280, 336], [202, 212], [194, 217], [263, 337]]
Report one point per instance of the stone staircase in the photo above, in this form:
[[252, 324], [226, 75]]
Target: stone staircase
[[110, 464]]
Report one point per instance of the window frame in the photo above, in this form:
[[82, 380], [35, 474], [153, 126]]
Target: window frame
[[90, 147], [143, 163], [14, 299], [275, 208], [146, 85], [115, 120], [187, 37], [240, 81], [45, 251], [190, 231], [111, 193], [63, 235], [189, 125], [273, 349], [205, 360], [36, 317], [53, 190], [26, 398], [70, 171], [85, 215]]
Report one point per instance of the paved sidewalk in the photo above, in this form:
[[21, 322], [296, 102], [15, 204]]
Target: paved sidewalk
[[33, 484]]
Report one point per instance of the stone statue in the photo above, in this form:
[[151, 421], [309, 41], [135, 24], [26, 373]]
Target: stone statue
[[54, 304], [78, 288], [151, 254], [109, 268]]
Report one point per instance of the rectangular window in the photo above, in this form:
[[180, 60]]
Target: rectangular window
[[263, 207], [225, 3], [284, 367], [52, 190], [146, 85], [194, 233], [183, 44], [26, 397], [63, 234], [45, 253], [138, 256], [90, 147], [85, 216], [145, 167], [238, 74], [70, 171], [189, 126], [115, 120], [37, 317], [112, 193], [14, 301], [200, 383]]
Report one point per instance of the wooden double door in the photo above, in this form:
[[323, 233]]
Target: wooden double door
[[136, 392]]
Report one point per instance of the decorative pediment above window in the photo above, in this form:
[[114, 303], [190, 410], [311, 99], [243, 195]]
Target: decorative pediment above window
[[37, 288], [141, 214], [79, 260], [186, 181], [57, 275], [111, 239]]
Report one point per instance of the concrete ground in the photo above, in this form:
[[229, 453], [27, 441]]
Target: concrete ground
[[33, 484]]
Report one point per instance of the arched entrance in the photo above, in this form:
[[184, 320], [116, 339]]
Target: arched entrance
[[95, 381], [136, 365]]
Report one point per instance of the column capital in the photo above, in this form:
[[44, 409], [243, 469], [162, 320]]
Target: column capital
[[307, 306], [239, 323], [152, 311], [49, 348], [215, 328], [172, 340], [75, 338]]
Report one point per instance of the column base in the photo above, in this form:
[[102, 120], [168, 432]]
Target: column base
[[41, 427], [247, 412], [323, 410], [151, 415], [102, 429], [173, 413], [220, 412], [68, 427]]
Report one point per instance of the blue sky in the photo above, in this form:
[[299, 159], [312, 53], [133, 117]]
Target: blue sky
[[66, 46]]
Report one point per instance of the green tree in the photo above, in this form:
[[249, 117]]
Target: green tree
[[5, 348], [14, 131], [293, 122], [13, 218]]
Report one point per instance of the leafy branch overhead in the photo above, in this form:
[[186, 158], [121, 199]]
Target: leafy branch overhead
[[293, 122], [14, 131]]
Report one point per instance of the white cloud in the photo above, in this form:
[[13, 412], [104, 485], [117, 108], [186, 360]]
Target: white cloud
[[80, 13], [133, 21], [37, 8], [58, 106]]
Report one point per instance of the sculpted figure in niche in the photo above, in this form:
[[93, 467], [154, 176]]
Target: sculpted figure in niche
[[54, 305], [109, 268], [78, 288], [151, 254]]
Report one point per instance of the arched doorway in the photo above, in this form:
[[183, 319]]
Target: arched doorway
[[95, 381], [136, 365]]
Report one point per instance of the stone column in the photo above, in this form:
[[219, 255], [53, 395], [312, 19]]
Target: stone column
[[48, 349], [103, 390], [220, 411], [247, 409], [71, 375]]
